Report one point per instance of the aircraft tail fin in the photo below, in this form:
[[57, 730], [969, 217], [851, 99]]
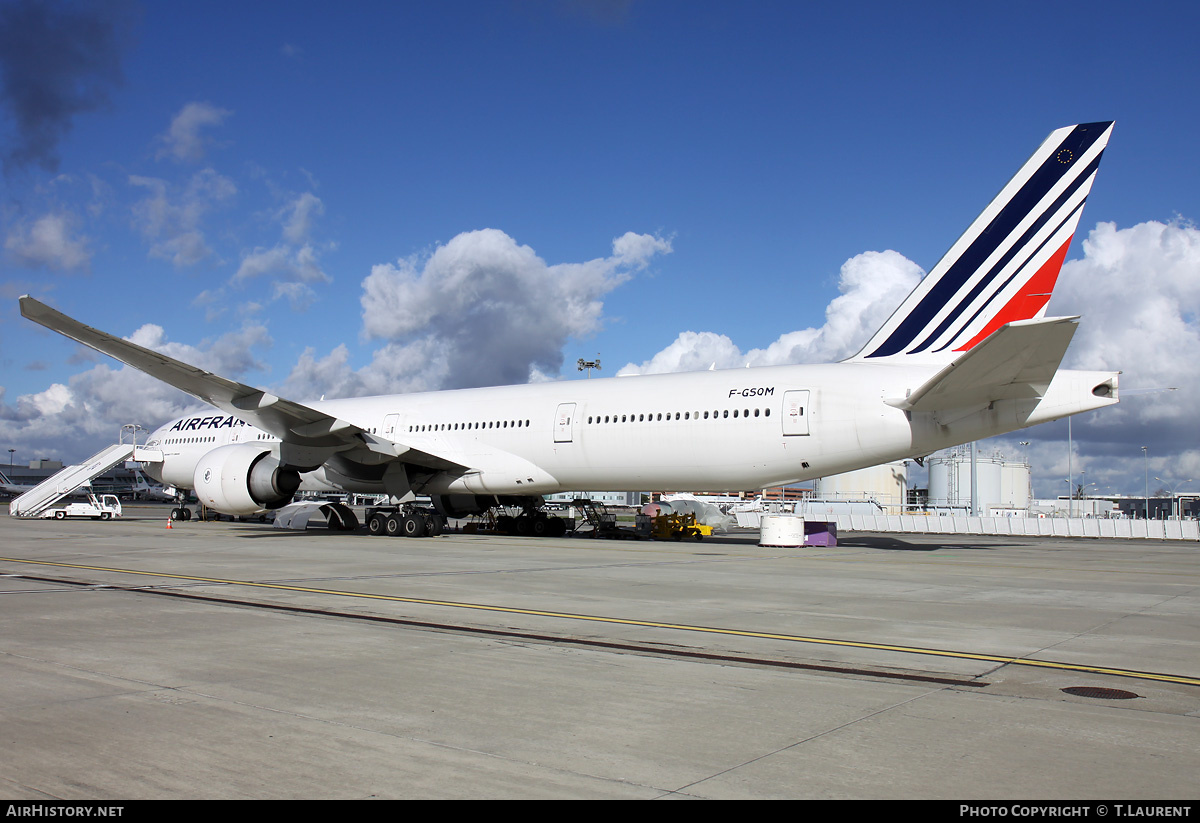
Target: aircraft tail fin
[[1004, 267]]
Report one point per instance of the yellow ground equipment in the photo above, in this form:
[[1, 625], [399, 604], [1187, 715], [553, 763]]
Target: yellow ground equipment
[[678, 526]]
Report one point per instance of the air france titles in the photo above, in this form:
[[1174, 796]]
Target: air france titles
[[218, 421]]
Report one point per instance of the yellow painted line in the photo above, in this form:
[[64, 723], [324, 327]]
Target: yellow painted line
[[620, 621]]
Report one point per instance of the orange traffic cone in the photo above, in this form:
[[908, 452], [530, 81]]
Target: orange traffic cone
[[168, 522]]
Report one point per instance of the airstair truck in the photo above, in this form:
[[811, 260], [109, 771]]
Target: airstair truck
[[105, 507]]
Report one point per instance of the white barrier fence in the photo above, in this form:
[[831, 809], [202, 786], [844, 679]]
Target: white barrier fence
[[1022, 526]]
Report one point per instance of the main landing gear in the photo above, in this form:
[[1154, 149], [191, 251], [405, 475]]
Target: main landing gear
[[528, 521], [181, 511], [531, 523], [409, 522]]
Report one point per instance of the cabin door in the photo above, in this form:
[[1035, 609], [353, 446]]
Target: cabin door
[[390, 424], [795, 412], [564, 420]]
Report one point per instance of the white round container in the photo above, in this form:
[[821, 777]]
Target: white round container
[[783, 530]]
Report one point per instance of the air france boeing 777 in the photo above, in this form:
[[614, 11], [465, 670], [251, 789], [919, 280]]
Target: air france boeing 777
[[969, 354]]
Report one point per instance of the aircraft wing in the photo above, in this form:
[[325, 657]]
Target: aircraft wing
[[309, 435], [1018, 360]]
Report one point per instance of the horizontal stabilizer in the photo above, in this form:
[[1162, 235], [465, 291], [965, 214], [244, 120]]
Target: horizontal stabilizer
[[1018, 360]]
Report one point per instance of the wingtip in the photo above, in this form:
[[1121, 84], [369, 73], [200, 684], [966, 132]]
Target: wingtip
[[29, 306]]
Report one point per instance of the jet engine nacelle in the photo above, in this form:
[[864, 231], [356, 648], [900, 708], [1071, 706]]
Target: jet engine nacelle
[[243, 479]]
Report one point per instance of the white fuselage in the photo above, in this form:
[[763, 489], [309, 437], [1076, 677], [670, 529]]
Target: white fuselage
[[714, 430]]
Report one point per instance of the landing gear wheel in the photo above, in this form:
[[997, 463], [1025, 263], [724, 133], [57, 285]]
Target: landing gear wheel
[[434, 526], [377, 525], [412, 525], [392, 525]]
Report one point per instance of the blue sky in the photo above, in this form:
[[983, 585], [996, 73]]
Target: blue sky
[[296, 194]]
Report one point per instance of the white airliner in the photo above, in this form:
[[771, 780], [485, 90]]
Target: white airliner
[[969, 354], [145, 490], [9, 487]]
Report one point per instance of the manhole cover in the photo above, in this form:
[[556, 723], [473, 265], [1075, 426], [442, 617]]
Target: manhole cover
[[1097, 692]]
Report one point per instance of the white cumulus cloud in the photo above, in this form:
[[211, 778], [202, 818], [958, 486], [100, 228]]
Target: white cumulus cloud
[[73, 420], [492, 310], [172, 219], [49, 242], [1138, 292], [872, 284], [295, 259], [184, 140]]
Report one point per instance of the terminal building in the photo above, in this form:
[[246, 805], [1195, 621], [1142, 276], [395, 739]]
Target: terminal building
[[607, 498], [119, 480]]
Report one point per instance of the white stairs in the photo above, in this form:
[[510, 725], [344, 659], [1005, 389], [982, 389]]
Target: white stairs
[[55, 488]]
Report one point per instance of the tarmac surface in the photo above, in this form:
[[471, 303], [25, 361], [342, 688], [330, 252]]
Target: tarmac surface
[[231, 660]]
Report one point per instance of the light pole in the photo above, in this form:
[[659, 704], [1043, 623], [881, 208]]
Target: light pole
[[1178, 516], [10, 454], [1146, 456], [589, 365], [1086, 511], [1070, 474], [1028, 478]]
